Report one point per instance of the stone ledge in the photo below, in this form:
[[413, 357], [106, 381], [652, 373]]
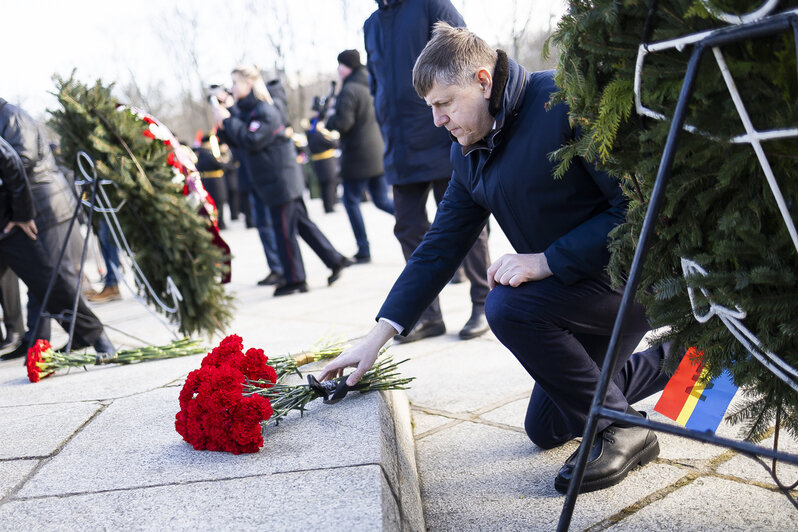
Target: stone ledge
[[347, 466]]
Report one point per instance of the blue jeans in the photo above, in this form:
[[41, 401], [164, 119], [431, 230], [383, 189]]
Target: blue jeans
[[353, 195], [263, 222], [110, 254]]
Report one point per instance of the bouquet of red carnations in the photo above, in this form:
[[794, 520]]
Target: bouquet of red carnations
[[225, 403], [43, 360]]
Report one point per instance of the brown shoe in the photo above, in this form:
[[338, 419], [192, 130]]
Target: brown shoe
[[108, 293]]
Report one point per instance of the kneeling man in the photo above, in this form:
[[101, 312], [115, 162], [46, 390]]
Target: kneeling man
[[551, 302]]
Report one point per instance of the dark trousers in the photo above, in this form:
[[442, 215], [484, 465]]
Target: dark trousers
[[51, 240], [217, 189], [412, 223], [262, 221], [353, 195], [233, 198], [10, 302], [560, 335], [33, 263], [291, 219], [110, 254], [326, 171]]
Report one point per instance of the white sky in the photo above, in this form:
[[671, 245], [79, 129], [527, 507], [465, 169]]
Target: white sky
[[114, 40]]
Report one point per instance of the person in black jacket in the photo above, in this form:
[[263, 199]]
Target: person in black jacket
[[22, 251], [361, 147], [551, 303], [259, 129], [53, 197], [416, 153]]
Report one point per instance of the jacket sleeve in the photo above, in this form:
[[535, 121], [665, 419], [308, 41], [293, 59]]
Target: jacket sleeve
[[264, 129], [23, 135], [583, 251], [458, 223], [15, 182], [345, 110], [445, 11]]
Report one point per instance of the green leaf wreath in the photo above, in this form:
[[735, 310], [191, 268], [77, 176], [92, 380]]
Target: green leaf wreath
[[719, 210], [165, 233]]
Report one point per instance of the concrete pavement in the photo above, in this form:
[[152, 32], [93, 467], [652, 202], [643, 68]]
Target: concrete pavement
[[96, 449]]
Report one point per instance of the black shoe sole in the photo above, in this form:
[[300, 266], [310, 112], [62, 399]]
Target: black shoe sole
[[646, 455], [472, 334]]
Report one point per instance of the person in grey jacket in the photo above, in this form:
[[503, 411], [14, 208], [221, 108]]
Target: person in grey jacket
[[361, 147], [22, 251], [54, 200]]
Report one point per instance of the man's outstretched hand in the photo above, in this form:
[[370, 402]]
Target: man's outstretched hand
[[513, 269], [361, 356]]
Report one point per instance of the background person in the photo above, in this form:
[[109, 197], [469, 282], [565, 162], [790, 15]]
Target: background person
[[417, 154], [259, 128], [361, 147]]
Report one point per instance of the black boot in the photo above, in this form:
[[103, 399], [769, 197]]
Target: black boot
[[476, 325], [423, 329], [12, 341]]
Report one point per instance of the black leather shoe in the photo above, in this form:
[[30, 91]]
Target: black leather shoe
[[12, 341], [361, 259], [20, 351], [272, 279], [336, 271], [616, 451], [476, 325], [290, 288], [423, 329]]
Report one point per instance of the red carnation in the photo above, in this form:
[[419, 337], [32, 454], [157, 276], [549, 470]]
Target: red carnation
[[149, 134], [39, 356]]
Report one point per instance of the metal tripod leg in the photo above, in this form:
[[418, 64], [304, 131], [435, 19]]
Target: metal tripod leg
[[610, 361]]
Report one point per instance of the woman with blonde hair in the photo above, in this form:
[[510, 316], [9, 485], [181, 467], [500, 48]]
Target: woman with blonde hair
[[258, 127]]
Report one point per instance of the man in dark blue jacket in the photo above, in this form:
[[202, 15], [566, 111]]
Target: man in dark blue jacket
[[416, 153], [551, 302]]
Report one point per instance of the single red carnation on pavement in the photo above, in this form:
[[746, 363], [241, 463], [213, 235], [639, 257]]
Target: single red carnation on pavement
[[36, 354]]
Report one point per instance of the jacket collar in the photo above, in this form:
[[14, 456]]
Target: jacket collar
[[390, 3], [509, 85], [248, 103], [358, 75]]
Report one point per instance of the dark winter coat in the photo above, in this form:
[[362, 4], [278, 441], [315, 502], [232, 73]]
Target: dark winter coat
[[509, 175], [257, 128], [361, 140], [16, 200], [54, 199], [395, 34]]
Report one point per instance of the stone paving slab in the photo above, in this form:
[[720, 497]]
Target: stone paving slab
[[12, 472], [495, 479], [715, 504], [96, 383], [38, 430], [463, 376], [348, 498], [137, 435]]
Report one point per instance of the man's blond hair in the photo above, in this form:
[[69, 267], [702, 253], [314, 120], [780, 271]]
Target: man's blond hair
[[452, 57]]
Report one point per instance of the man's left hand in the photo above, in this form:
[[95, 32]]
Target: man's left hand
[[514, 269]]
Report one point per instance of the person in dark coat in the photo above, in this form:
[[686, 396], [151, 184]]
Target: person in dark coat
[[276, 177], [22, 251], [322, 145], [551, 303], [361, 147], [416, 153], [54, 199]]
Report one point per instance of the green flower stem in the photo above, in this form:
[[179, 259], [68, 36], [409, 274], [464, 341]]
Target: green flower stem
[[178, 348], [284, 398]]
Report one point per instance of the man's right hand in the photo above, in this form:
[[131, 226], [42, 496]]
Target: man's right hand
[[361, 356], [28, 227]]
